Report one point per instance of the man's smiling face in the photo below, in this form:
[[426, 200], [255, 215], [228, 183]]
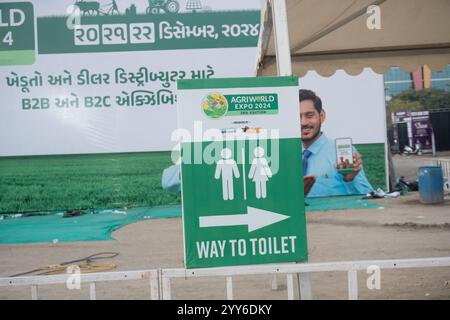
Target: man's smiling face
[[311, 121]]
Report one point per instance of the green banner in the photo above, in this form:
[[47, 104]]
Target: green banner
[[111, 33], [16, 34]]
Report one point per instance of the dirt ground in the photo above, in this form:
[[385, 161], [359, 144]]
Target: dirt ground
[[404, 229], [407, 166]]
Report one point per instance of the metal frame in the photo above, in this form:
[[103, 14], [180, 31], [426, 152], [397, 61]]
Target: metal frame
[[160, 279], [92, 278], [351, 267]]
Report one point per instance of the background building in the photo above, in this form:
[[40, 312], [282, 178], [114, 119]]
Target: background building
[[397, 80], [414, 94]]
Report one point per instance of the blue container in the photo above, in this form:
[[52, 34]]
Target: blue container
[[431, 184]]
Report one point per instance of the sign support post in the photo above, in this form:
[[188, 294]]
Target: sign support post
[[284, 68]]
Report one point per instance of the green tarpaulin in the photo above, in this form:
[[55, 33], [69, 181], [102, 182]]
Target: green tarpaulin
[[340, 203], [88, 227]]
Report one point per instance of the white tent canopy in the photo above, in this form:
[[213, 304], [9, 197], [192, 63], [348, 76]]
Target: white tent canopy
[[326, 35]]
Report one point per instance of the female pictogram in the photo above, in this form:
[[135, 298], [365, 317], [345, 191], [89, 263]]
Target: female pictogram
[[260, 172]]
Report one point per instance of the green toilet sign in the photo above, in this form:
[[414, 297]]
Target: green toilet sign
[[242, 185]]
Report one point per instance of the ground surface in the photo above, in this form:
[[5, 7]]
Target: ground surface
[[407, 165], [406, 229]]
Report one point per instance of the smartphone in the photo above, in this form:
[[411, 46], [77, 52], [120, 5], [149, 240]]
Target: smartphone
[[344, 155]]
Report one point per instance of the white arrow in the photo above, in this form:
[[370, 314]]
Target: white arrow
[[254, 219]]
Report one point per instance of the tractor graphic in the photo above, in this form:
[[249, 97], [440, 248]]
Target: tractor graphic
[[159, 6]]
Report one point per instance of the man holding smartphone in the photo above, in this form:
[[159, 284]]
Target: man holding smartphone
[[319, 155]]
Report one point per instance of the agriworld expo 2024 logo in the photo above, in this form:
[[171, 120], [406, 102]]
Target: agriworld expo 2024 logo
[[216, 105]]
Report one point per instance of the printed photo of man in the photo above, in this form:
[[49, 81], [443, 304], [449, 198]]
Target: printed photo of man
[[319, 155]]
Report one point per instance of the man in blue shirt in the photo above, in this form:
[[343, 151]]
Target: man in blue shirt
[[319, 155]]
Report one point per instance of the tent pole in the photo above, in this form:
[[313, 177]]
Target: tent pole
[[265, 31], [281, 37]]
